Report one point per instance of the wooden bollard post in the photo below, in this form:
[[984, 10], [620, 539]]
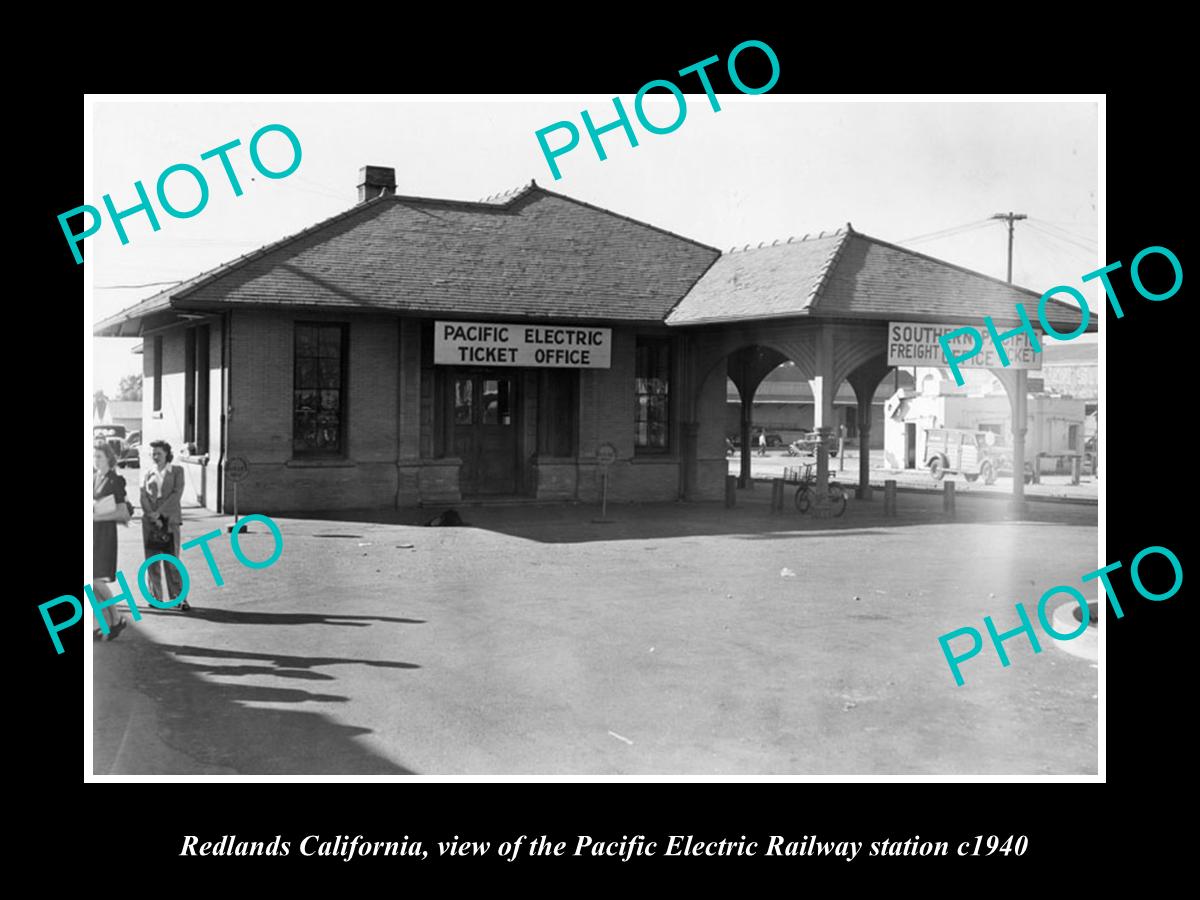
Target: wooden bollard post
[[889, 497], [776, 495], [731, 491], [948, 498], [1074, 470]]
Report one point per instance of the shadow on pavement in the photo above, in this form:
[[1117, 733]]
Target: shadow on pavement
[[154, 715], [283, 660], [241, 617], [568, 523]]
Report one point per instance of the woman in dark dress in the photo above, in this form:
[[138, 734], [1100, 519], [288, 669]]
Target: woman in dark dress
[[104, 535]]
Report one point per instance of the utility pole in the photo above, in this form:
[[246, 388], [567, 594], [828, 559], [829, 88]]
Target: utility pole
[[1010, 217], [1020, 398]]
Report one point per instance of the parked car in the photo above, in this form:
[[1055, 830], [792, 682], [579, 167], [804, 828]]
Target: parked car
[[961, 451], [114, 435], [806, 445]]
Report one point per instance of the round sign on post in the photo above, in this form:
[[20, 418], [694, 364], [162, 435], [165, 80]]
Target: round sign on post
[[606, 455], [236, 469]]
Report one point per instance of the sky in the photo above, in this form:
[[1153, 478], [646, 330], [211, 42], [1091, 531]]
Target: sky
[[762, 168]]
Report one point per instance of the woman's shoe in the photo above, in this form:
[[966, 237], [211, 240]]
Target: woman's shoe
[[185, 606], [96, 634], [115, 631]]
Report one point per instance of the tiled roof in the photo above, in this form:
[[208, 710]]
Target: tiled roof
[[764, 283], [849, 275], [533, 254]]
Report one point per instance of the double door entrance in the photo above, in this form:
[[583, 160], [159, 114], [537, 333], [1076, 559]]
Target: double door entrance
[[486, 428]]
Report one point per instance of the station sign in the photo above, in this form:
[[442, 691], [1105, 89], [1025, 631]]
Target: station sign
[[916, 344], [525, 345]]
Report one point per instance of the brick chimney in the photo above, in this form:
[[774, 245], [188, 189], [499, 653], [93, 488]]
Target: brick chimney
[[375, 181]]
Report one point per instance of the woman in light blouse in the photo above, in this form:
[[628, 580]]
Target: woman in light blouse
[[162, 490]]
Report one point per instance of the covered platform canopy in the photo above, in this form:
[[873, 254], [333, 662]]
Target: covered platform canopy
[[825, 304]]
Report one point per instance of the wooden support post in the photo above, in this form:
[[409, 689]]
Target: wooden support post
[[889, 497]]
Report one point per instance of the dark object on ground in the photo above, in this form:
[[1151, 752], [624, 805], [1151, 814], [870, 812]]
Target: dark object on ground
[[450, 518]]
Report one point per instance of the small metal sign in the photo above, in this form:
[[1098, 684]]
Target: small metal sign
[[236, 469], [606, 454]]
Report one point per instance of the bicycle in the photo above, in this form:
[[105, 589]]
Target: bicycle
[[806, 494]]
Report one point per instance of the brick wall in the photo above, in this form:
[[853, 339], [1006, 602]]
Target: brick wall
[[385, 409], [260, 427]]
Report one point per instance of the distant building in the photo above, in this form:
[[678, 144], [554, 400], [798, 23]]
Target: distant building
[[783, 405], [1056, 425], [127, 413], [1071, 370]]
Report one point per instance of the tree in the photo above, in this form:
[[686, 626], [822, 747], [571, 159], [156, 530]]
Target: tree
[[131, 388]]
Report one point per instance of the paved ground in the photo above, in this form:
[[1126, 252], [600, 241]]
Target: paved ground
[[667, 642], [1050, 486]]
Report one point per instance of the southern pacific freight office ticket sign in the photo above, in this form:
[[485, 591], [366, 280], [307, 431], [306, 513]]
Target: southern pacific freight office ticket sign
[[916, 344], [534, 346]]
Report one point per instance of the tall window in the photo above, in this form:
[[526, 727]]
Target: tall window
[[202, 379], [189, 385], [319, 390], [652, 377], [158, 354]]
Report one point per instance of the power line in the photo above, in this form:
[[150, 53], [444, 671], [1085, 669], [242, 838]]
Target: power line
[[1064, 231], [1091, 251], [947, 232], [1088, 225], [119, 287]]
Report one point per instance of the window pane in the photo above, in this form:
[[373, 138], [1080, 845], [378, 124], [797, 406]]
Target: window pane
[[331, 372], [497, 401], [652, 389], [496, 392], [306, 344], [463, 400], [305, 430], [317, 389], [331, 342], [306, 372], [305, 401]]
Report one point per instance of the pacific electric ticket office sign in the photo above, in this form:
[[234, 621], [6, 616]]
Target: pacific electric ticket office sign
[[916, 344], [532, 346]]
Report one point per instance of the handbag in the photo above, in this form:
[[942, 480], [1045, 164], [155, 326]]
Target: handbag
[[107, 509], [160, 538]]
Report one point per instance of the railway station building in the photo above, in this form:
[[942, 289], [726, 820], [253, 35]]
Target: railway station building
[[417, 351]]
